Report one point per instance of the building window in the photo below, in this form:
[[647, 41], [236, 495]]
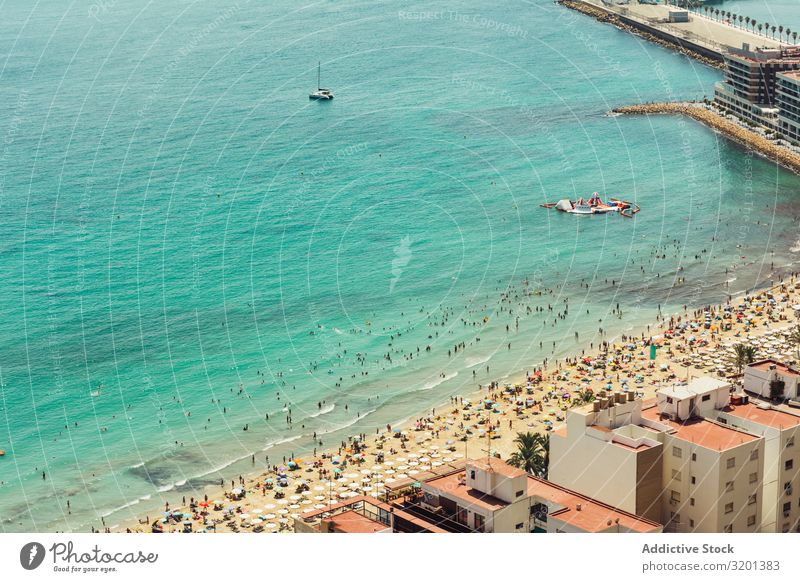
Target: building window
[[753, 477], [479, 522], [676, 452], [676, 474], [731, 463], [729, 486], [752, 499], [693, 480], [727, 529], [787, 507], [691, 523], [675, 517], [539, 512], [669, 400], [675, 496], [785, 528], [691, 501], [519, 493], [472, 474], [787, 487], [520, 525], [788, 464], [751, 520], [694, 456], [729, 507], [789, 442], [754, 455], [706, 397]]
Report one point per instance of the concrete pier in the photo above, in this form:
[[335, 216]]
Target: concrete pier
[[701, 35]]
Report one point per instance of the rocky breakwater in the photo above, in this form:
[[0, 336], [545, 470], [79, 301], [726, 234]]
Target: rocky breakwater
[[755, 141]]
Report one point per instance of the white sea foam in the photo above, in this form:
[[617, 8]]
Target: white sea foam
[[126, 505], [434, 383], [282, 442], [349, 423], [472, 362], [796, 247], [323, 410]]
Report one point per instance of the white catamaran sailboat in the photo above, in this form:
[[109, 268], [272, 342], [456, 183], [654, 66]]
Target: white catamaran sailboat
[[320, 93]]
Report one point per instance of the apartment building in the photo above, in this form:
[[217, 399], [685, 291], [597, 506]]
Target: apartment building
[[603, 451], [788, 102], [749, 89], [695, 473], [762, 377], [485, 495]]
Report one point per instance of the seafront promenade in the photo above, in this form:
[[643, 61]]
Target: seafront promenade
[[702, 37], [702, 113]]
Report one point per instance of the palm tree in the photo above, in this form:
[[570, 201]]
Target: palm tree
[[794, 37], [744, 354], [716, 12], [794, 337], [583, 397], [741, 18], [780, 31], [532, 454], [760, 26], [774, 28], [747, 20]]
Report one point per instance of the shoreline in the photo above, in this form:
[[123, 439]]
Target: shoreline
[[734, 131], [664, 369]]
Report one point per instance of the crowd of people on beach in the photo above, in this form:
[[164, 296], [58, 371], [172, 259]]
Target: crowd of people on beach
[[694, 342]]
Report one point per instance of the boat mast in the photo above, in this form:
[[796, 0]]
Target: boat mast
[[319, 64]]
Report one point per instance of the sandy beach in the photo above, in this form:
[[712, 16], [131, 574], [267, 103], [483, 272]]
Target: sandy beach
[[688, 344]]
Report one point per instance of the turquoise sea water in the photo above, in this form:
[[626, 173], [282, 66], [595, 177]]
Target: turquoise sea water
[[190, 244]]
